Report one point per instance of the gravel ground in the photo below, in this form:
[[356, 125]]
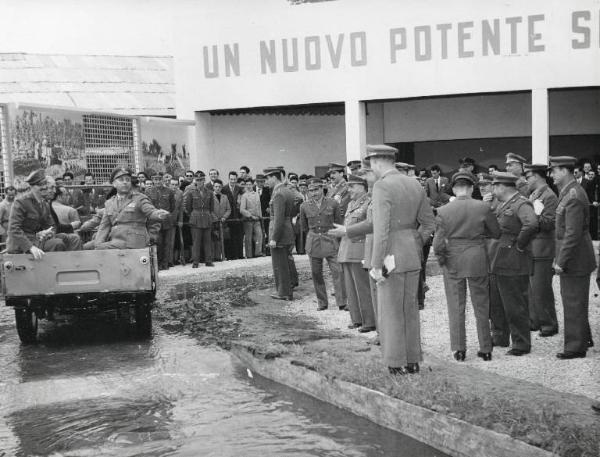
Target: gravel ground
[[578, 376]]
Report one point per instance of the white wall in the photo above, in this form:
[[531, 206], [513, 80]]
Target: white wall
[[299, 143]]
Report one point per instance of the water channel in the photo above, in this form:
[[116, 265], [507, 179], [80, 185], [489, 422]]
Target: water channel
[[90, 389]]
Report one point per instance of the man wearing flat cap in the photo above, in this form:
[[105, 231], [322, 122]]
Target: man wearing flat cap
[[318, 214], [162, 197], [575, 259], [339, 190], [514, 165], [462, 227], [124, 224], [400, 227], [542, 309], [511, 263], [31, 228]]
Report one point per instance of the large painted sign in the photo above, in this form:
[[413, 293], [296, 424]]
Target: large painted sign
[[276, 54]]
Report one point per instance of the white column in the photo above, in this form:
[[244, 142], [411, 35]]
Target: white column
[[202, 157], [356, 129], [540, 132]]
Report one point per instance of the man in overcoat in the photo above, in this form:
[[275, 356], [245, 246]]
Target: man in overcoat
[[400, 227], [575, 258], [199, 203], [162, 197]]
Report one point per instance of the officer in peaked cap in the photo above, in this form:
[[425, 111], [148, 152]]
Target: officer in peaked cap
[[318, 214], [542, 310], [353, 165], [575, 258], [462, 226], [514, 165], [118, 172], [402, 167], [339, 186], [511, 264], [31, 228]]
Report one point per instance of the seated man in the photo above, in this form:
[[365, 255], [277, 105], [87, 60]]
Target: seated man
[[31, 227], [129, 221]]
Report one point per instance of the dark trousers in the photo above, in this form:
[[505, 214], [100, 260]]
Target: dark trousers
[[164, 251], [513, 292], [234, 246], [358, 289], [316, 268], [575, 291], [542, 309], [292, 267], [423, 276], [281, 270], [201, 239], [498, 324]]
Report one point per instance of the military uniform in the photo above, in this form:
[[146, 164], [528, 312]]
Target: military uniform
[[317, 217], [199, 203], [177, 221], [340, 193], [395, 233], [459, 243], [163, 198], [128, 222], [511, 263], [542, 309], [575, 256], [356, 278], [281, 209]]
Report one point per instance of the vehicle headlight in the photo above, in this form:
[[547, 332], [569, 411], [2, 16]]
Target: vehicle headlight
[[8, 265]]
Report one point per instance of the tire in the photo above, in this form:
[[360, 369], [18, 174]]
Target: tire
[[27, 325], [143, 320]]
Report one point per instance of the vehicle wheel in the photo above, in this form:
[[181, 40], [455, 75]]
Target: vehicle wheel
[[27, 325], [143, 320]]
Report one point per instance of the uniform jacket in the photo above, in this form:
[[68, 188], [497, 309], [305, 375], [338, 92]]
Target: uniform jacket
[[199, 203], [353, 249], [574, 251], [163, 198], [523, 186], [462, 226], [5, 207], [131, 222], [88, 200], [233, 197], [282, 210], [265, 198], [400, 225], [542, 245], [511, 255], [27, 217], [177, 214], [341, 194], [437, 197], [317, 219], [364, 228], [221, 207]]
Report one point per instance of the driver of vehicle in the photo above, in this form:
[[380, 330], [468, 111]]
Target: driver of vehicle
[[130, 221]]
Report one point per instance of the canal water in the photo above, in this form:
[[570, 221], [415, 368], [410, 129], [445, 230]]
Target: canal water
[[89, 389]]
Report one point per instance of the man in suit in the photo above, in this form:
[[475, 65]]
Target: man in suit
[[575, 258], [130, 220], [162, 197], [459, 244], [395, 236], [281, 233], [436, 187], [511, 262], [265, 197], [222, 212], [590, 188], [234, 246], [542, 310], [198, 202], [177, 220], [514, 165], [318, 214]]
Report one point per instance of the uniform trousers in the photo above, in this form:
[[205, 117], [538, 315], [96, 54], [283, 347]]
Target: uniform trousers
[[513, 292], [164, 245], [217, 233], [574, 291], [253, 238], [61, 242], [292, 267], [358, 290], [281, 270], [373, 287], [456, 298], [316, 269], [201, 239], [498, 324], [400, 331], [542, 310]]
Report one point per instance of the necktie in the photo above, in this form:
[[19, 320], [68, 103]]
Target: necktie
[[437, 185]]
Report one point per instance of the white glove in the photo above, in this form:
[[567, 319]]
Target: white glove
[[452, 198], [538, 207]]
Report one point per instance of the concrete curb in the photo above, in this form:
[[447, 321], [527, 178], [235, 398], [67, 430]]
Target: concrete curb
[[448, 434]]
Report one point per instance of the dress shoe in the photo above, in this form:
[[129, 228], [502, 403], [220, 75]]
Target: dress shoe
[[412, 368], [533, 328], [397, 370], [460, 355], [421, 306], [547, 333], [366, 329], [570, 355], [282, 297], [591, 343], [195, 265], [342, 308], [517, 352], [486, 356], [209, 264], [321, 308], [351, 326]]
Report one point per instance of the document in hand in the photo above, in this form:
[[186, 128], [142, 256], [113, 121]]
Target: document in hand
[[389, 263]]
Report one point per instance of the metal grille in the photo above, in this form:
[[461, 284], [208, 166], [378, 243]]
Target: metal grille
[[3, 150], [109, 143]]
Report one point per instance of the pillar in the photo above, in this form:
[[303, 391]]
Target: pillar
[[356, 129], [540, 132], [202, 157]]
